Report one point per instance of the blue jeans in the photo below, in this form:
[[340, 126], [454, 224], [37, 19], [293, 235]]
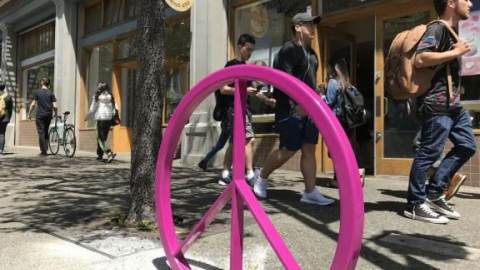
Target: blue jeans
[[436, 129], [222, 140]]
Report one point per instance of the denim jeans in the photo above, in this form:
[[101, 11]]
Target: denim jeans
[[222, 140], [436, 129], [42, 130], [3, 130]]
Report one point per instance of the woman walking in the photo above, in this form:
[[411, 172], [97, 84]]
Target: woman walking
[[338, 83], [103, 109]]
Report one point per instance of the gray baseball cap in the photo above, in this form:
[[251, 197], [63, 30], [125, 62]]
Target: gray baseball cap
[[305, 17]]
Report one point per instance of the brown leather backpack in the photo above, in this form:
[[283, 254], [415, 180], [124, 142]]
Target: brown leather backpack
[[402, 79]]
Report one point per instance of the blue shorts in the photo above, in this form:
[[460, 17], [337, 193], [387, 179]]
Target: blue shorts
[[296, 131]]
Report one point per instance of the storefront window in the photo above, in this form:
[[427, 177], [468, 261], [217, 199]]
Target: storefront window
[[329, 6], [106, 13], [177, 46], [400, 127], [37, 41], [128, 86], [269, 23], [31, 82], [93, 18], [470, 31], [126, 49], [100, 69]]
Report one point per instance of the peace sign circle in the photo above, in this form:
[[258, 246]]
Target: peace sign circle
[[350, 191]]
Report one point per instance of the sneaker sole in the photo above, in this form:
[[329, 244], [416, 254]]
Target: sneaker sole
[[111, 158], [303, 200], [428, 220], [442, 211], [222, 183], [455, 191], [259, 196]]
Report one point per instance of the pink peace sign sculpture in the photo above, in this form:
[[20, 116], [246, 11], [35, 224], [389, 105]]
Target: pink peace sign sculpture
[[350, 191]]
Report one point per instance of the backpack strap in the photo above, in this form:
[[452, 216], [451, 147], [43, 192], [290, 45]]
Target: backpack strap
[[449, 72]]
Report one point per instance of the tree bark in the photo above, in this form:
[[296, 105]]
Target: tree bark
[[147, 127]]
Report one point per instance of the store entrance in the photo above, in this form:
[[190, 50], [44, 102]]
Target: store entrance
[[354, 41]]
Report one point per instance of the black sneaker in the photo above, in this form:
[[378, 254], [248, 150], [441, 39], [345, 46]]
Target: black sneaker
[[441, 206], [223, 181], [203, 165], [423, 212]]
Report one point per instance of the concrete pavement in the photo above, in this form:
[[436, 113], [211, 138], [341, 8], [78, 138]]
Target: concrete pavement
[[55, 212]]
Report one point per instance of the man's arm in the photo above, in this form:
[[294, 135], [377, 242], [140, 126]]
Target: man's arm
[[54, 104], [32, 105], [430, 59], [228, 90]]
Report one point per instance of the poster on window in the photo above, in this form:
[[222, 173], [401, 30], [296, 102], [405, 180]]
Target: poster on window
[[470, 31]]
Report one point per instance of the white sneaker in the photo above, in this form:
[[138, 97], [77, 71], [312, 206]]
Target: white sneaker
[[260, 187], [315, 197], [250, 177]]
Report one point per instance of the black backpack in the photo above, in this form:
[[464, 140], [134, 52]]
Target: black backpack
[[220, 109], [353, 108]]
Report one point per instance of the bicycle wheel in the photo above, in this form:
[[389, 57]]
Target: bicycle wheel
[[70, 142], [53, 141]]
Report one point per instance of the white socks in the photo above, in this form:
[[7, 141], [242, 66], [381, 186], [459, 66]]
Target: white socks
[[250, 174], [225, 173]]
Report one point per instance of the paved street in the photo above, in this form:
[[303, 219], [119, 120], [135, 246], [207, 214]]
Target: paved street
[[55, 213]]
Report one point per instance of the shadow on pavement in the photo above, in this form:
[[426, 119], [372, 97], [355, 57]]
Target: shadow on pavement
[[58, 193], [161, 264]]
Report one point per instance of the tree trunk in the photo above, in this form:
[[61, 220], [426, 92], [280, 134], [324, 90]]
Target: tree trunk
[[147, 127]]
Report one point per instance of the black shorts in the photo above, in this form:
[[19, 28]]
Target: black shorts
[[296, 131]]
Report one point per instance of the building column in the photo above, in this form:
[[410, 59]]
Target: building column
[[66, 68], [9, 77], [208, 52]]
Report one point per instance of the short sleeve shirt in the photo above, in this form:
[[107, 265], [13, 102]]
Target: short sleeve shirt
[[436, 101], [299, 61], [44, 99]]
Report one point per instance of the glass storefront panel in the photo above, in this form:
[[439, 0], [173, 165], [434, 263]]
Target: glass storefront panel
[[31, 82], [470, 31], [100, 68], [177, 46], [269, 22], [400, 127], [128, 86], [126, 49]]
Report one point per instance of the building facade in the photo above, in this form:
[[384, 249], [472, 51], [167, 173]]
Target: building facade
[[80, 43]]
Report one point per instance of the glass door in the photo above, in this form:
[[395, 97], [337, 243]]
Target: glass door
[[396, 123], [124, 87], [337, 45]]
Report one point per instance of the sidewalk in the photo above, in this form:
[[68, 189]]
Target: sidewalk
[[54, 214]]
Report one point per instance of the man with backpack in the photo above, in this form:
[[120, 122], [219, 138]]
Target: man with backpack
[[46, 105], [442, 116], [6, 106], [296, 129]]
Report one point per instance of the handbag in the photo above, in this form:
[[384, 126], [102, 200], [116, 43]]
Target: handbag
[[116, 118]]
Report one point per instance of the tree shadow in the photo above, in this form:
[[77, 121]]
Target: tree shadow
[[55, 193], [456, 250], [161, 264], [58, 194], [468, 195]]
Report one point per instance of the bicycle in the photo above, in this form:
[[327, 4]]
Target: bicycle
[[67, 140]]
